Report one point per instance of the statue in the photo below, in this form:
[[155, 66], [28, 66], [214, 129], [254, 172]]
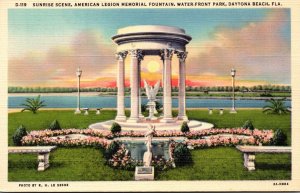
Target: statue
[[151, 94], [150, 91], [148, 154]]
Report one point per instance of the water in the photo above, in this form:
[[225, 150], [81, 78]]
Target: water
[[111, 102], [138, 148]]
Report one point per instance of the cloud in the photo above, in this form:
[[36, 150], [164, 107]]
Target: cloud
[[57, 65], [258, 50]]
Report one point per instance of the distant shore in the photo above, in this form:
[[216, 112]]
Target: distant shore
[[57, 94]]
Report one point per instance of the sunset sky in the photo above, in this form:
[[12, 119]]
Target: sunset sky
[[46, 46]]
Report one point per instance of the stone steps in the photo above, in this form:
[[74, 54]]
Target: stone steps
[[143, 126]]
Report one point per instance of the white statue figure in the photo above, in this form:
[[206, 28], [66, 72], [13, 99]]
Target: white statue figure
[[151, 91], [151, 94], [148, 154]]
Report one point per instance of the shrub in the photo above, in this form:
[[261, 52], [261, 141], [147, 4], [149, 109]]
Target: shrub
[[33, 104], [158, 105], [111, 150], [18, 135], [279, 138], [248, 125], [275, 106], [144, 108], [266, 95], [182, 155], [54, 125], [115, 128], [184, 127]]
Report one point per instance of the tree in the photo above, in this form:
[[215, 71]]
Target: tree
[[55, 125], [248, 125], [279, 138], [19, 134], [115, 128], [144, 108], [227, 88], [175, 89], [184, 127], [158, 105], [182, 155], [33, 104], [111, 149], [275, 106]]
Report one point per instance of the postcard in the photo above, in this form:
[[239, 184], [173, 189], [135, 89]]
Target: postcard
[[131, 96]]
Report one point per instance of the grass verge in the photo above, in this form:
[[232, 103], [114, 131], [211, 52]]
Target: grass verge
[[87, 164]]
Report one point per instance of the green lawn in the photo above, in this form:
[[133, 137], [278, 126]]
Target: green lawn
[[259, 119], [66, 164], [66, 118], [87, 164], [223, 163], [226, 163]]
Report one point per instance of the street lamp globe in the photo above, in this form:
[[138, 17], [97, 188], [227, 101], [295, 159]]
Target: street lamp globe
[[233, 71], [78, 72]]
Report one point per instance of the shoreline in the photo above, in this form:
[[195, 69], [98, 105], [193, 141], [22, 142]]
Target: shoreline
[[159, 97], [14, 110]]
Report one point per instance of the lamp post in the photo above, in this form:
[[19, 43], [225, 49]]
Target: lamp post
[[78, 73], [233, 71]]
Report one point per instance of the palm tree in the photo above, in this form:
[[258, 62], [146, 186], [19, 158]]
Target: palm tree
[[275, 106], [33, 104]]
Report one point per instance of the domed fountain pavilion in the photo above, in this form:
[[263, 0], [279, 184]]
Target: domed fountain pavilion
[[136, 42]]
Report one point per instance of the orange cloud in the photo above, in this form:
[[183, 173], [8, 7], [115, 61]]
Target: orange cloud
[[258, 51], [58, 65]]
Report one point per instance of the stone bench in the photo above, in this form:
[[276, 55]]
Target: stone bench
[[86, 111], [221, 111], [250, 151], [210, 111], [98, 111], [42, 151]]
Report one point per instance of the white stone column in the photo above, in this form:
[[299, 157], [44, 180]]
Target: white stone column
[[181, 85], [136, 56], [120, 85], [167, 56], [140, 94], [163, 82]]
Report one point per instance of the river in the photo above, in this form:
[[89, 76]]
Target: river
[[110, 102]]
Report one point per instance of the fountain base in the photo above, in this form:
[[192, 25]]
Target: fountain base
[[143, 124]]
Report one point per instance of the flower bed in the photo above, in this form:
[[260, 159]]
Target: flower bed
[[255, 137], [90, 132], [121, 158], [261, 134], [214, 141], [100, 137], [65, 142]]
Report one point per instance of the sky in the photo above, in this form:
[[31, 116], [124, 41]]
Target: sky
[[47, 45]]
